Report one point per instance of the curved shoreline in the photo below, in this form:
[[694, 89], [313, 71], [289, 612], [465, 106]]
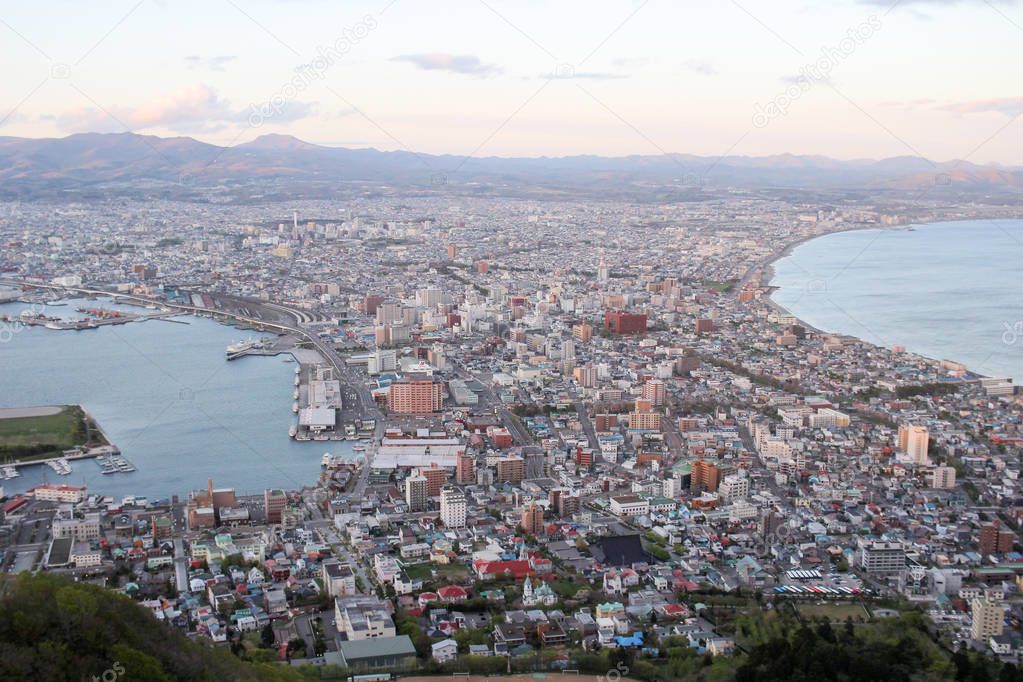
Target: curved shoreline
[[768, 273]]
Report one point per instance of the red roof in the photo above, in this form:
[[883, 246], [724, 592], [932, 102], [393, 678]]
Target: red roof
[[450, 592], [53, 486], [14, 504], [517, 568]]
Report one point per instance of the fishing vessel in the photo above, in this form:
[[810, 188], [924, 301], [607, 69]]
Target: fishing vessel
[[9, 472]]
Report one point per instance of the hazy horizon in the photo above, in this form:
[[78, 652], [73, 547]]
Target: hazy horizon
[[858, 79]]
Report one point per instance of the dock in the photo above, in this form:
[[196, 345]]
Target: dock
[[62, 463], [94, 319]]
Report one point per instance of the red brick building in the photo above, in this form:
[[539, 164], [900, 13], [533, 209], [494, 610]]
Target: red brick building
[[621, 322]]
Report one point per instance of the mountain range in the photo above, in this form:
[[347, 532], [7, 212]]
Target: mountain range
[[120, 162]]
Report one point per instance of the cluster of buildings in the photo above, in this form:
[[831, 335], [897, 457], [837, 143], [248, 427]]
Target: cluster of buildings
[[593, 412]]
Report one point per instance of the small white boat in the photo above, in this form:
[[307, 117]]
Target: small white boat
[[60, 466]]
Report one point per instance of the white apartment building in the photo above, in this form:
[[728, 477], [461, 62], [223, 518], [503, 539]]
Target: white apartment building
[[881, 557], [734, 487], [453, 507]]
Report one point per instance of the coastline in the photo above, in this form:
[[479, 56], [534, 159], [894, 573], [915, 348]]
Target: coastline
[[255, 455], [767, 271]]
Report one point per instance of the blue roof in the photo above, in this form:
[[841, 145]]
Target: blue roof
[[635, 639]]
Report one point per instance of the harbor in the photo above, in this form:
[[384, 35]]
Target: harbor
[[62, 465], [324, 408], [92, 318], [173, 410]]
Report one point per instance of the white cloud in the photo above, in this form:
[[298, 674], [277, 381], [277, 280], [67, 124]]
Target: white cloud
[[465, 64], [197, 108], [1009, 106], [216, 63]]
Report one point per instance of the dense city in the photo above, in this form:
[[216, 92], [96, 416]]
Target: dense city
[[581, 437]]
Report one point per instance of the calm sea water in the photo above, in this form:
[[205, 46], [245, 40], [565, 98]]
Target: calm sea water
[[945, 290], [165, 395]]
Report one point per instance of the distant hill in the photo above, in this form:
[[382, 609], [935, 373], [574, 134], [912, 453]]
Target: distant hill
[[123, 162]]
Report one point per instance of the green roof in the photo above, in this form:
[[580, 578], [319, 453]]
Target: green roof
[[377, 647], [683, 468]]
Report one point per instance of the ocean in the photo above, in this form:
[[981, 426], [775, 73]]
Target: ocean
[[944, 290]]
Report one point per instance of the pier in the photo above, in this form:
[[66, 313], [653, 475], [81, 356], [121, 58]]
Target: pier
[[102, 318], [9, 470]]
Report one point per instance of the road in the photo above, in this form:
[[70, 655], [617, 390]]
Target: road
[[584, 419], [331, 537], [520, 434]]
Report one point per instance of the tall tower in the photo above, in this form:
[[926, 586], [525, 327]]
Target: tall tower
[[602, 273]]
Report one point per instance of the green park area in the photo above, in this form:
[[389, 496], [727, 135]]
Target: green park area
[[41, 432]]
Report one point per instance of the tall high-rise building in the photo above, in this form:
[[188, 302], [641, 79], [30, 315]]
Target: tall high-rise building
[[996, 540], [435, 477], [415, 396], [643, 418], [734, 487], [582, 332], [943, 478], [585, 376], [274, 502], [511, 469], [532, 519], [913, 440], [371, 303], [568, 505], [416, 492], [987, 619], [453, 507], [567, 356], [704, 476], [429, 297], [654, 390], [465, 469], [388, 313]]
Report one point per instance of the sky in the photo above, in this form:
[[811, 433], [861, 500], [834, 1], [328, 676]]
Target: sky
[[842, 78]]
